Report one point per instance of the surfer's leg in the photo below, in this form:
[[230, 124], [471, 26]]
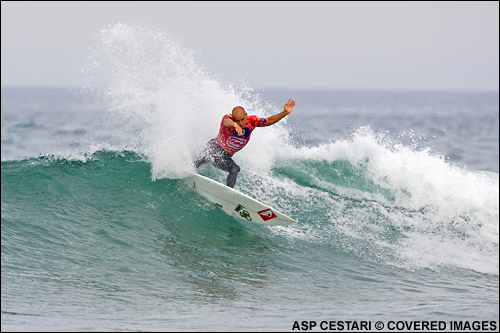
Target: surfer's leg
[[233, 174], [220, 159], [230, 166], [206, 155], [200, 160], [225, 162]]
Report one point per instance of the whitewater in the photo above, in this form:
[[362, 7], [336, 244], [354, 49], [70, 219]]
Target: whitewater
[[396, 197]]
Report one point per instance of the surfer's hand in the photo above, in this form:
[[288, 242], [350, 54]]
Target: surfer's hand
[[238, 129], [289, 105]]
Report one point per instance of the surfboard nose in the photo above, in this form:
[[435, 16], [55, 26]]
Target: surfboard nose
[[235, 203]]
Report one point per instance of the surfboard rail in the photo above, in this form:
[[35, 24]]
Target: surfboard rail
[[235, 203]]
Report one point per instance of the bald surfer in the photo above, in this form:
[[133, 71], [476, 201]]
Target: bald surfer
[[234, 134]]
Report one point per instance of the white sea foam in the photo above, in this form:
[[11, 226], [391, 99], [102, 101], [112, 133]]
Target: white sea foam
[[146, 77], [443, 212], [445, 215]]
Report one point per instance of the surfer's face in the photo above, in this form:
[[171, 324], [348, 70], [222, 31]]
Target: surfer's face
[[240, 116], [242, 120]]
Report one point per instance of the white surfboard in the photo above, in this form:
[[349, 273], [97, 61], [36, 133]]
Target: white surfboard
[[235, 203]]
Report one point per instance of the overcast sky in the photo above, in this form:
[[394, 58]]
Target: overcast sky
[[333, 45]]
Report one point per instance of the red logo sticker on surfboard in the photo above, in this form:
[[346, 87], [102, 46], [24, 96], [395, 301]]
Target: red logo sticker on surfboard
[[267, 214]]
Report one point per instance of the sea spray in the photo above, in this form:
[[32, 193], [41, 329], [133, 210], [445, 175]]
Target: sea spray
[[143, 75], [426, 211], [95, 236], [366, 194]]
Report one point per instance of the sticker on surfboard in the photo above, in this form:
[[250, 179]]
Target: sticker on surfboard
[[237, 204], [267, 214]]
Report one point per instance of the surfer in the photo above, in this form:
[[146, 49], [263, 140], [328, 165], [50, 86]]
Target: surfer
[[234, 134]]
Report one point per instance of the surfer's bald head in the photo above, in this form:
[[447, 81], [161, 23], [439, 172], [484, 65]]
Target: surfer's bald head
[[238, 112], [240, 116]]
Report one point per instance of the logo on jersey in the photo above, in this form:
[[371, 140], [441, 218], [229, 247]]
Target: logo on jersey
[[267, 214], [246, 133], [236, 143]]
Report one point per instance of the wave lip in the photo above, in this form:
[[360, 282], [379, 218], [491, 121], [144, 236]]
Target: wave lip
[[424, 214], [428, 212], [375, 197]]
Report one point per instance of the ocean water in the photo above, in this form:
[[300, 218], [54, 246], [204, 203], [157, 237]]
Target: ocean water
[[396, 197]]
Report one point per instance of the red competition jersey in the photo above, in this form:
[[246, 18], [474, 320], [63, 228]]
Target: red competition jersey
[[228, 138]]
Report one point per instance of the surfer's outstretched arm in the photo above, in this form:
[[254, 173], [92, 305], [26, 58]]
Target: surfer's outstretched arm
[[277, 117]]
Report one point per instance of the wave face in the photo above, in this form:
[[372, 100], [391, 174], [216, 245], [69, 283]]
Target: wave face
[[99, 226], [354, 197]]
